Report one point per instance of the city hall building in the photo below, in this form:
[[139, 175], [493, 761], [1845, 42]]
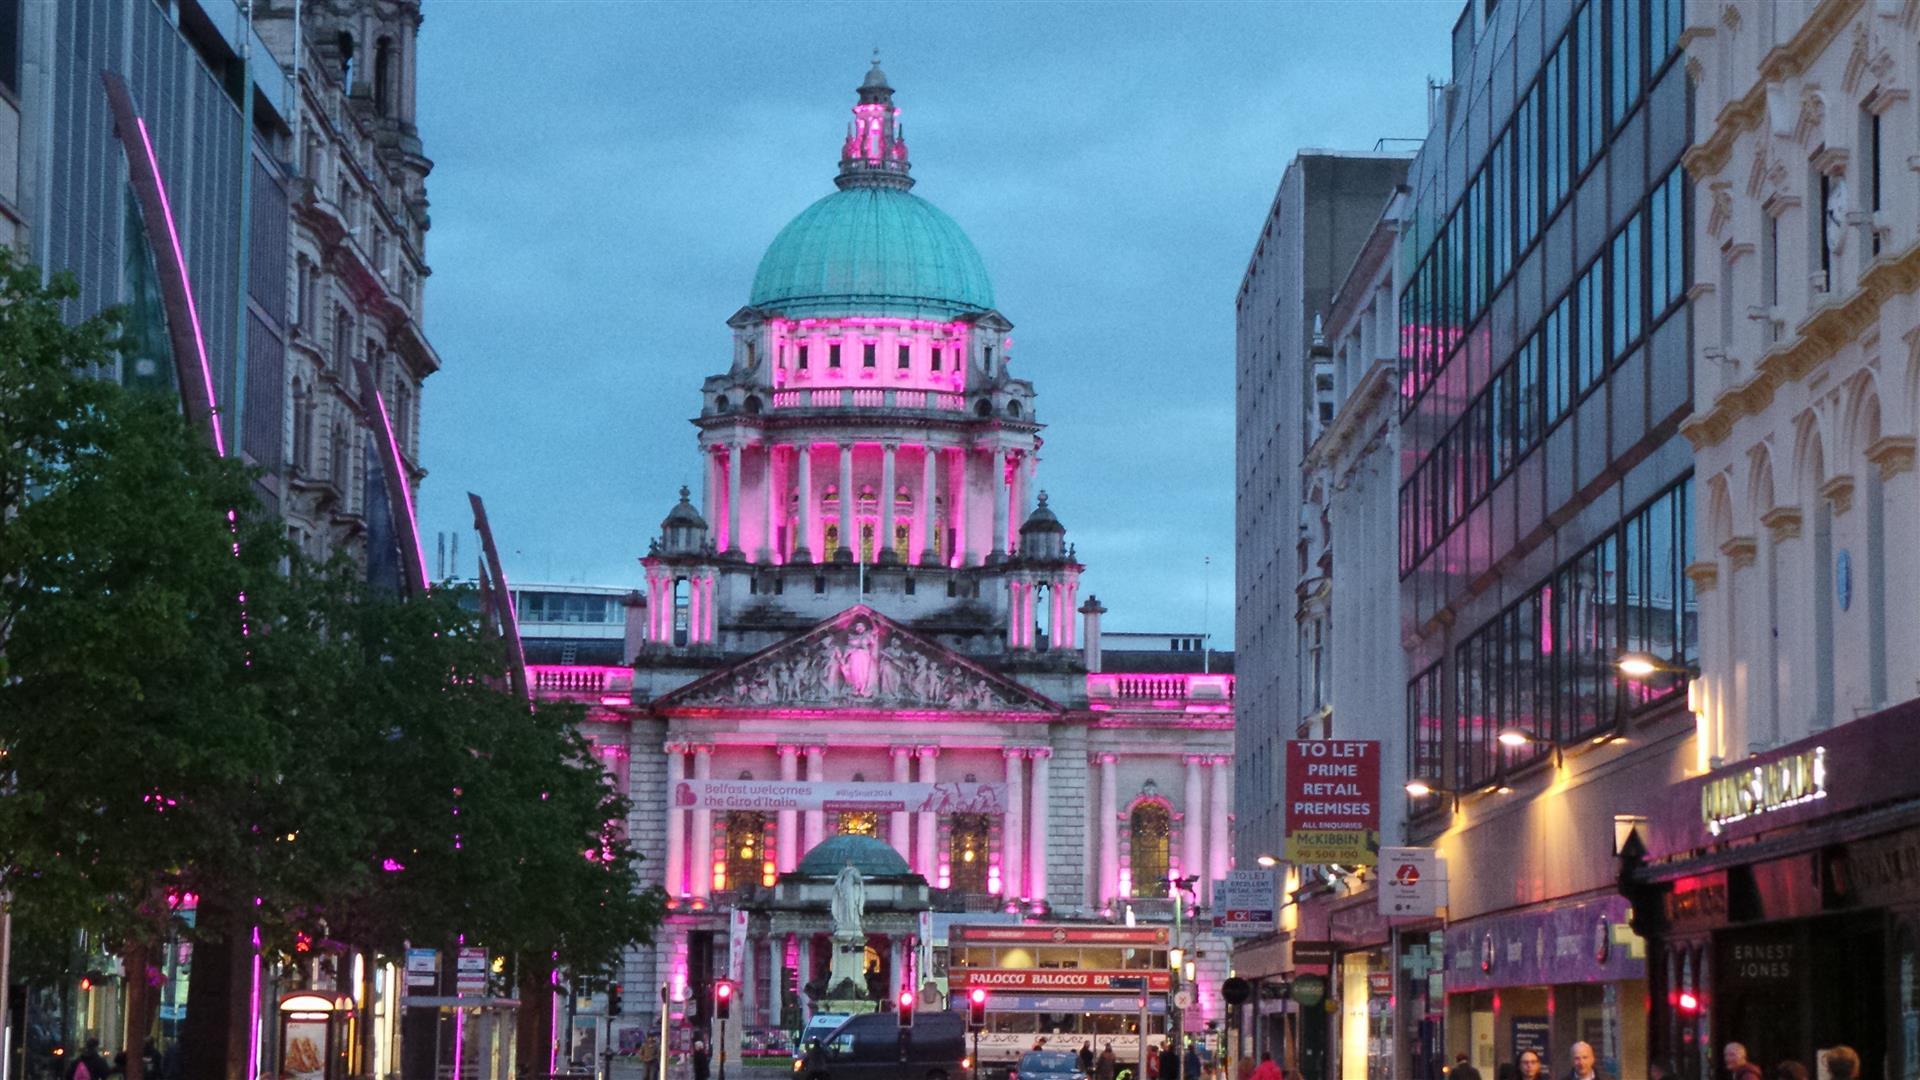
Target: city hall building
[[874, 608]]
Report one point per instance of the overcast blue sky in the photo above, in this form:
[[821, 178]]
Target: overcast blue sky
[[608, 174]]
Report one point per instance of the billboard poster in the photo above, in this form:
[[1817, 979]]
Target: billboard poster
[[949, 797], [1333, 802], [1065, 980], [1248, 901]]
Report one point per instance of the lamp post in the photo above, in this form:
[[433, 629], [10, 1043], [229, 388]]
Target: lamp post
[[1181, 887]]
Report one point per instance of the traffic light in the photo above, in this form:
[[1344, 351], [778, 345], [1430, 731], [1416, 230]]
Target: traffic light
[[722, 1000], [614, 1004], [977, 1008], [906, 1008]]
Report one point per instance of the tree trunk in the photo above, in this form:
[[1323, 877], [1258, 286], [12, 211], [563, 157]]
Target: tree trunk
[[215, 1041], [135, 959], [533, 1023]]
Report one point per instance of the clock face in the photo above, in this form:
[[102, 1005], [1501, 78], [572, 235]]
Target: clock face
[[1836, 214]]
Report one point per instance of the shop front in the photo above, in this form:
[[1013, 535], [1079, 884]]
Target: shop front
[[1543, 978], [1782, 896], [1363, 966]]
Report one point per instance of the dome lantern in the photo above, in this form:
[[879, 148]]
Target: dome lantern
[[684, 531], [875, 153], [1042, 536]]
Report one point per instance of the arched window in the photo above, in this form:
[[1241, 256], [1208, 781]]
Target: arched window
[[383, 75], [968, 852], [1151, 826], [337, 463], [746, 848], [302, 429], [345, 46]]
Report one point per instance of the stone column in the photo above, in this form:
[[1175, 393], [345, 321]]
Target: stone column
[[676, 883], [1193, 817], [776, 979], [896, 971], [816, 819], [998, 550], [803, 543], [1219, 843], [749, 986], [928, 825], [806, 974], [849, 508], [1090, 633], [1029, 476], [883, 543], [733, 498], [923, 507], [710, 493], [899, 825], [776, 506], [1109, 828], [1012, 842], [957, 510], [1036, 883], [787, 843], [1014, 590], [700, 859]]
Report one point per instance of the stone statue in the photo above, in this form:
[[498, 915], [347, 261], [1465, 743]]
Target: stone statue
[[849, 902]]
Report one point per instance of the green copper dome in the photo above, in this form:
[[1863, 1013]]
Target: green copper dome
[[871, 250], [872, 857]]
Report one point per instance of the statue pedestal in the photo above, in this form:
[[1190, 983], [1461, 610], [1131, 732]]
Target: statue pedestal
[[849, 962]]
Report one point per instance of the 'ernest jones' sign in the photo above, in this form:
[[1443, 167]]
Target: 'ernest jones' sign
[[1333, 801]]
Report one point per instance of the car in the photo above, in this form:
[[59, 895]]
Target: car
[[870, 1047], [818, 1028], [1047, 1065]]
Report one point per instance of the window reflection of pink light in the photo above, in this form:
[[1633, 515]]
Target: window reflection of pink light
[[193, 313], [406, 492]]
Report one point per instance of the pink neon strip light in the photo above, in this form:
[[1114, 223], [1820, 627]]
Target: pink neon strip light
[[406, 493], [193, 311], [253, 1011]]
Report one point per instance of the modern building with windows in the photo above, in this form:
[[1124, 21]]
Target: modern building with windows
[[1794, 838], [875, 590], [1545, 512]]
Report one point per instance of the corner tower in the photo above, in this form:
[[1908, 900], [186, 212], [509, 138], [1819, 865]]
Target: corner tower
[[869, 442]]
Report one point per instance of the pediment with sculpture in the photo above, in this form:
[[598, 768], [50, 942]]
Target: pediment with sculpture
[[862, 660]]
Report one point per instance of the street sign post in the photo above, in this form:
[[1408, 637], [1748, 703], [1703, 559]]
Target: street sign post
[[1413, 881]]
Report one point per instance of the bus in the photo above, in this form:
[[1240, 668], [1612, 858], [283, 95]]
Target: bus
[[1063, 986]]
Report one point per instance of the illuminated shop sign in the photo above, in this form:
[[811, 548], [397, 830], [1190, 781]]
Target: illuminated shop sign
[[1763, 789]]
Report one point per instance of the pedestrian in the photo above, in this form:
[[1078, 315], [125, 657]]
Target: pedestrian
[[701, 1059], [1153, 1061], [1190, 1065], [1266, 1070], [1463, 1068], [1585, 1065], [1843, 1064], [1107, 1065], [1507, 1070], [150, 1060], [1532, 1066], [1169, 1061], [89, 1064], [1790, 1070], [1086, 1056], [1738, 1067]]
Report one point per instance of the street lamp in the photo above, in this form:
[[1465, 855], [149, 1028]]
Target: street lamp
[[1420, 788], [1515, 738], [1267, 862], [1638, 666]]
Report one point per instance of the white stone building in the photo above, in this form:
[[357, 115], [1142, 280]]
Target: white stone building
[[874, 589]]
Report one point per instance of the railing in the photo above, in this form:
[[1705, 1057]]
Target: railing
[[869, 399], [826, 397], [786, 399], [910, 399], [949, 401], [1177, 689], [580, 679]]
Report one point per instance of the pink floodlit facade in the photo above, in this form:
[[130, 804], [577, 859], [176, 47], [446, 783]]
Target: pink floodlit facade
[[869, 585]]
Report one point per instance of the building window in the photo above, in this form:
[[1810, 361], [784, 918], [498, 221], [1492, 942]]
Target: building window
[[801, 361], [833, 355], [1667, 245], [1823, 233], [1590, 329], [830, 540], [933, 354], [969, 853], [906, 357], [1624, 300], [867, 354], [1874, 169], [1556, 127], [1425, 742], [859, 823], [1150, 828], [746, 848], [1624, 25], [1589, 75]]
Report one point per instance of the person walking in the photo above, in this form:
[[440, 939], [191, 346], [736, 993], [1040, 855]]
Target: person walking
[[1169, 1062], [1790, 1070], [1190, 1065], [1463, 1068], [1086, 1056], [1266, 1070], [1738, 1067], [1532, 1065], [1843, 1063], [1153, 1061], [1107, 1064], [702, 1059], [1585, 1065]]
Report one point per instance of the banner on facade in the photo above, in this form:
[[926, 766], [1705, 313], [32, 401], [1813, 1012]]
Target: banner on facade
[[736, 945], [1148, 936], [953, 797], [1333, 802], [1413, 881], [1065, 980], [1247, 902]]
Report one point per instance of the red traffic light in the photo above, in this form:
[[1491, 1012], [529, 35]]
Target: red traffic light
[[906, 1000], [724, 991], [723, 1001], [979, 996], [1688, 1003], [977, 1008]]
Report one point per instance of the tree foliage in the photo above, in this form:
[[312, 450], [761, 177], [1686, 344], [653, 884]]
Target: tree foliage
[[187, 707]]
